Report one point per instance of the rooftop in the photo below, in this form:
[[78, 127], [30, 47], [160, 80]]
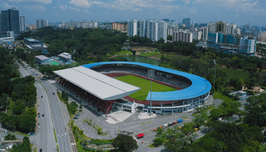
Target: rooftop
[[42, 57], [101, 86]]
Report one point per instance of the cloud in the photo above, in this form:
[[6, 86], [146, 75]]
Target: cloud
[[31, 1], [65, 7], [84, 3], [5, 5], [34, 7], [137, 9], [186, 1], [137, 5]]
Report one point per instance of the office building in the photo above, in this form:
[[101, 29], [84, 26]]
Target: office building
[[142, 29], [247, 45], [33, 43], [22, 25], [0, 23], [182, 37], [186, 21], [132, 28], [10, 21], [10, 34], [6, 40], [166, 20]]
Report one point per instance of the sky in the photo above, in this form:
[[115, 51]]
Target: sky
[[239, 12]]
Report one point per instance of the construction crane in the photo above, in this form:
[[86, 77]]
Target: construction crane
[[217, 20], [246, 26]]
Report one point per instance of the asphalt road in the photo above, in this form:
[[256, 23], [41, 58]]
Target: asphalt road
[[45, 135], [51, 117], [58, 118]]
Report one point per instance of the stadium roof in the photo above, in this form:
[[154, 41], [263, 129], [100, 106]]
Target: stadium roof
[[199, 86], [101, 86], [42, 57]]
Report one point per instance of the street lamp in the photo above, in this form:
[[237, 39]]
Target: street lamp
[[214, 75]]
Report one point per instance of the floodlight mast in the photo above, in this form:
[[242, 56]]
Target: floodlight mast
[[150, 74]]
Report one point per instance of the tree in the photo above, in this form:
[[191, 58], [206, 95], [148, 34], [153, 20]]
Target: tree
[[158, 141], [80, 107], [125, 143], [173, 145], [169, 37], [192, 137], [201, 118], [215, 113]]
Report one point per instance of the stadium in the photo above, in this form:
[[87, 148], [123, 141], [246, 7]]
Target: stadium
[[127, 86]]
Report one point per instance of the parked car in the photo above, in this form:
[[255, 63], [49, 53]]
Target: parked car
[[179, 120], [42, 115], [75, 117], [77, 114], [165, 125], [53, 93], [175, 122]]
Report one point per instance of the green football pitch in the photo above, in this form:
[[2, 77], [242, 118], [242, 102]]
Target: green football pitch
[[145, 86]]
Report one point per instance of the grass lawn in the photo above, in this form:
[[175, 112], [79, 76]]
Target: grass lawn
[[124, 52], [240, 74], [145, 86], [155, 54]]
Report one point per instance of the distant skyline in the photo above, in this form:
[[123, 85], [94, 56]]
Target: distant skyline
[[239, 12]]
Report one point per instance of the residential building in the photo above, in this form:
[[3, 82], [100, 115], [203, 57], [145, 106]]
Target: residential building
[[118, 27], [205, 33], [197, 35], [149, 24], [10, 21], [32, 27], [182, 37], [155, 31], [186, 21], [132, 28], [171, 30], [41, 23], [162, 30], [142, 29], [220, 26], [22, 25], [247, 45], [212, 27], [237, 31], [262, 37]]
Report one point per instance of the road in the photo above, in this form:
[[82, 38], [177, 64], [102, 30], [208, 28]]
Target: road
[[58, 118], [51, 116], [45, 135]]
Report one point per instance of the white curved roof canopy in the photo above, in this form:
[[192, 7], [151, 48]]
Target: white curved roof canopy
[[101, 86]]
